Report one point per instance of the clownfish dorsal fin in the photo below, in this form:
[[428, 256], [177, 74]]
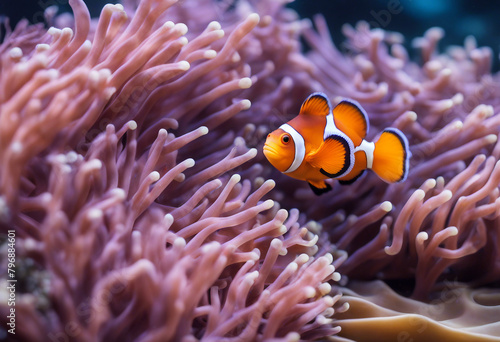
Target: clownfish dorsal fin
[[352, 115], [316, 104]]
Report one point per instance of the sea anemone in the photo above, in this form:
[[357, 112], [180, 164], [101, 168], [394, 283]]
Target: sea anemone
[[133, 179]]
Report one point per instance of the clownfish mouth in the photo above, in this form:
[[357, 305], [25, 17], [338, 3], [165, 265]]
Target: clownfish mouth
[[270, 152]]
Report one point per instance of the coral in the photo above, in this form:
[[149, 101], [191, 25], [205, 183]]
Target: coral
[[458, 314]]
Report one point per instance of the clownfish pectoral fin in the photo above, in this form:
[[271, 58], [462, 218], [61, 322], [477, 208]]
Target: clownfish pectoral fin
[[319, 187], [334, 157], [391, 156], [352, 115], [316, 104]]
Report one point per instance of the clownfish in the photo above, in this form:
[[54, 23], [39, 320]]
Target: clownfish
[[321, 143]]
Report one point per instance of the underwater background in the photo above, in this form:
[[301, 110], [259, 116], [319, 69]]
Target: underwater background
[[149, 174], [459, 18]]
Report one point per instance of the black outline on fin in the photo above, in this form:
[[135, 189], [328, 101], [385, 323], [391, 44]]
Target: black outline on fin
[[360, 109], [350, 181], [318, 191], [347, 161], [406, 147], [320, 95]]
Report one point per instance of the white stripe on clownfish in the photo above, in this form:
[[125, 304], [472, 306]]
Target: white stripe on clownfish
[[331, 129], [368, 148], [300, 147]]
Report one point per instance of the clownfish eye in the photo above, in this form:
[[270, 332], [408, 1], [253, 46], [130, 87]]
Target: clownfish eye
[[285, 139]]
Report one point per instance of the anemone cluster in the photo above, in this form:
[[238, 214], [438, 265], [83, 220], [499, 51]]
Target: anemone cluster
[[144, 210]]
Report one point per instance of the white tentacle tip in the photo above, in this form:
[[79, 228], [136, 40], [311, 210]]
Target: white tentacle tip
[[421, 237], [430, 183], [329, 301], [383, 88], [245, 83], [292, 337], [210, 54], [386, 206], [15, 53], [292, 267], [282, 230], [93, 164], [67, 31], [214, 25], [447, 195], [53, 30], [168, 219], [336, 276], [325, 288], [271, 183], [181, 28], [302, 258], [276, 243], [419, 194], [169, 24], [329, 257], [119, 193], [389, 251], [246, 104], [189, 162], [53, 74], [16, 147], [458, 99], [491, 138], [184, 65], [203, 130], [235, 178], [179, 243], [95, 214], [42, 47], [412, 115], [132, 125], [254, 17], [87, 45], [108, 92], [154, 176], [252, 152], [220, 33], [458, 125], [453, 231], [268, 204], [446, 72]]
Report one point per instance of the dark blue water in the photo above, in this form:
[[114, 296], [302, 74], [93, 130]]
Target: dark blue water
[[459, 18]]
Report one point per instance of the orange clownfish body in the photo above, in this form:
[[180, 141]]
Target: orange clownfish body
[[322, 143]]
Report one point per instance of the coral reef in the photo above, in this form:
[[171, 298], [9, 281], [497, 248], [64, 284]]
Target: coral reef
[[131, 173], [377, 313]]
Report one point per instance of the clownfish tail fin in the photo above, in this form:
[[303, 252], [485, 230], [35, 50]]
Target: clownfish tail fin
[[391, 156]]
